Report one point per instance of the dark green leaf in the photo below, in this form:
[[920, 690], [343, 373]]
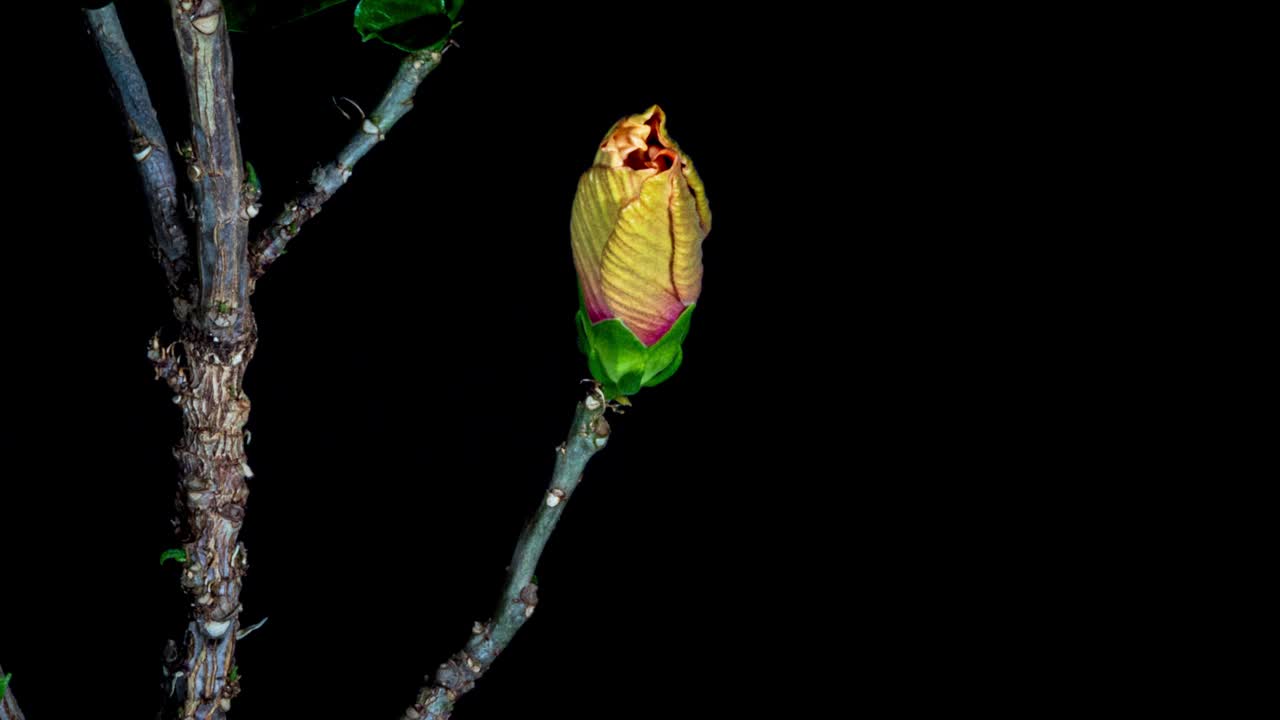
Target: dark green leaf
[[248, 15], [409, 25]]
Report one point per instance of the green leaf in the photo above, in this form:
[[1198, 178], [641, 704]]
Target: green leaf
[[234, 674], [4, 683], [410, 25], [250, 15], [174, 554]]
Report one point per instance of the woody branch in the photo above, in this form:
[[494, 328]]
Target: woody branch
[[326, 180], [588, 434], [146, 143]]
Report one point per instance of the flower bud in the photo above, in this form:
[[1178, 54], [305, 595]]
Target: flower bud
[[639, 219]]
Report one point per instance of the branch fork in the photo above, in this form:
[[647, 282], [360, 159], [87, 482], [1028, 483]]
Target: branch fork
[[211, 267]]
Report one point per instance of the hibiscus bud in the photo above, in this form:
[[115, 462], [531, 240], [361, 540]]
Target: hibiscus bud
[[638, 222]]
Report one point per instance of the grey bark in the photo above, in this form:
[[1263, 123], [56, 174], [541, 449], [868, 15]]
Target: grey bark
[[587, 435], [146, 143], [206, 367], [326, 181]]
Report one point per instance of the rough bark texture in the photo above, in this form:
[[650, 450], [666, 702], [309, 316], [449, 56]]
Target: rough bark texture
[[207, 263], [9, 709], [206, 371], [587, 435], [211, 501]]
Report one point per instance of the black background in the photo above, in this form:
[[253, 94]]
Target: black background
[[417, 365], [909, 458]]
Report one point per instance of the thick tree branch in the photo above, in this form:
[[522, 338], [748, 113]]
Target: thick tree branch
[[326, 180], [587, 435], [206, 371], [216, 170], [9, 709], [146, 141]]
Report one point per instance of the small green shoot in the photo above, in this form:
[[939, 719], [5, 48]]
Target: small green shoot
[[174, 554]]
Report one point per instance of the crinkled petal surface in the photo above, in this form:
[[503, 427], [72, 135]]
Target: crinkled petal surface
[[639, 220], [636, 272], [602, 192], [688, 229]]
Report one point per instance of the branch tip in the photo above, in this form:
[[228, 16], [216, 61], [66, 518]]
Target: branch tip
[[326, 181]]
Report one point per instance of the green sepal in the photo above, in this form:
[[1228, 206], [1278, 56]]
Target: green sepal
[[4, 683], [410, 25], [621, 363], [584, 327], [668, 371], [664, 357]]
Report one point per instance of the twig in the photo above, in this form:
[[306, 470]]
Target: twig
[[587, 435], [326, 180], [146, 142], [9, 709]]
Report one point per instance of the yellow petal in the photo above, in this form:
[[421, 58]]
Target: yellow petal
[[636, 269], [602, 192], [688, 228]]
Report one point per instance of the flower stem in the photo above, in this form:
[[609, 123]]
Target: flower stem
[[588, 434]]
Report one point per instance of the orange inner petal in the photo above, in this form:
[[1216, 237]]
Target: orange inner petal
[[653, 155]]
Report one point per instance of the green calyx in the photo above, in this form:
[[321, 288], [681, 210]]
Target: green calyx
[[621, 363]]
